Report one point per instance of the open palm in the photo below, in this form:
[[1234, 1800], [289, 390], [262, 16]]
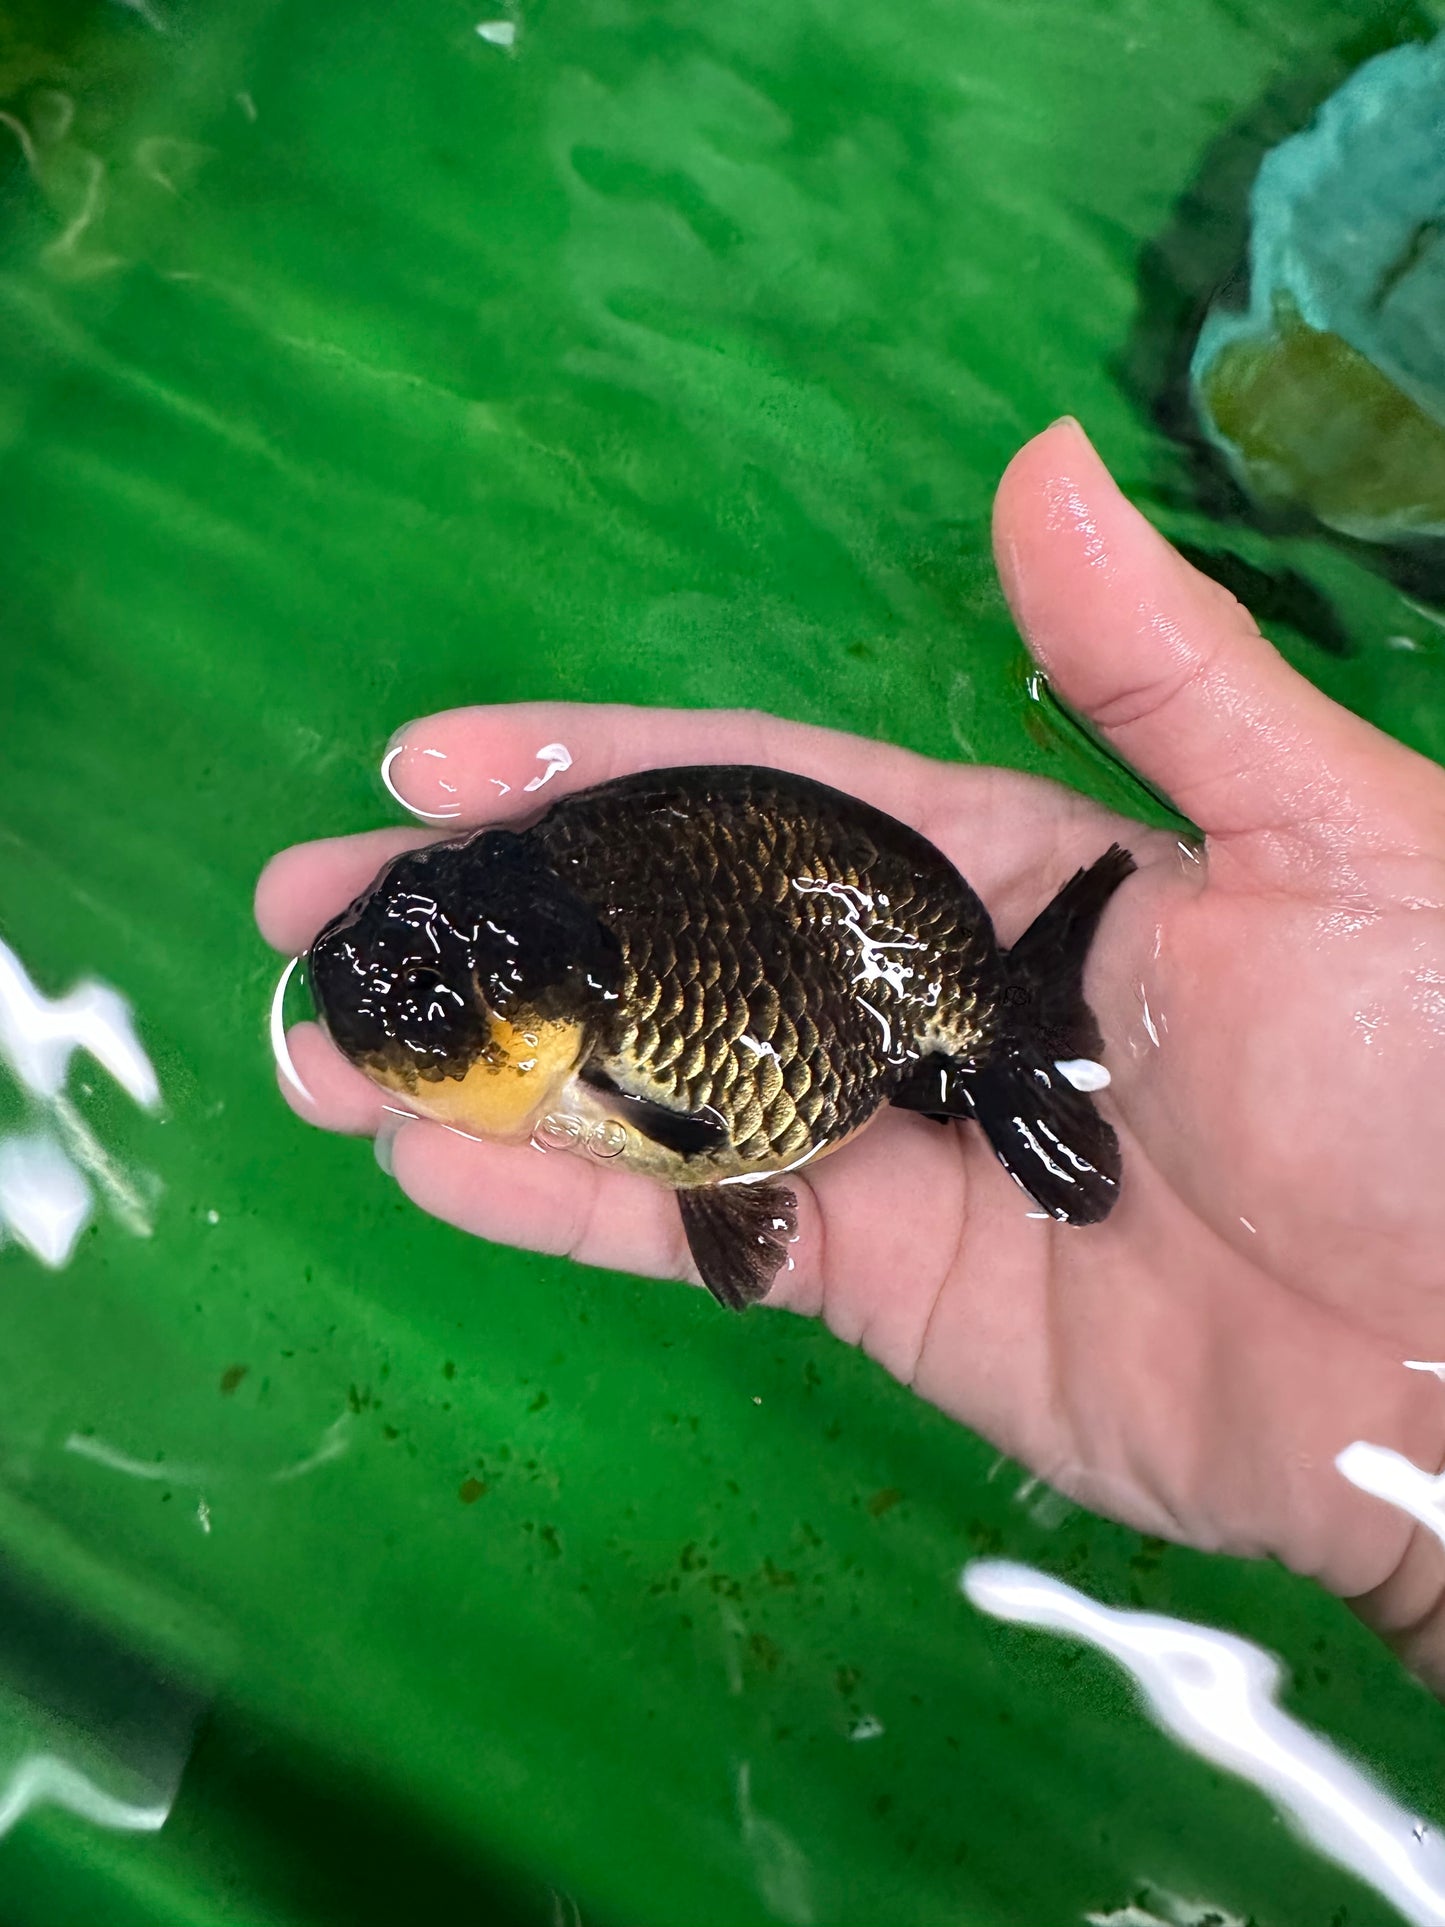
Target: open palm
[[1274, 1016]]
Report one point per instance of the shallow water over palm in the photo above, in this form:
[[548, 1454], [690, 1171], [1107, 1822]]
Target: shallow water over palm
[[354, 363]]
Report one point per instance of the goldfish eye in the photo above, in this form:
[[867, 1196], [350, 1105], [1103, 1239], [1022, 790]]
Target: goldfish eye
[[418, 977]]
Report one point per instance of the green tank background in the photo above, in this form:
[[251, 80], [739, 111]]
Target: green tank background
[[352, 365]]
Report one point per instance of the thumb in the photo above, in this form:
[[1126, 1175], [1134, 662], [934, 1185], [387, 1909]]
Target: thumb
[[1162, 660]]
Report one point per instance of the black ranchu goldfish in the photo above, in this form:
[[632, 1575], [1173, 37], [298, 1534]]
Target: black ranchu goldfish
[[718, 975]]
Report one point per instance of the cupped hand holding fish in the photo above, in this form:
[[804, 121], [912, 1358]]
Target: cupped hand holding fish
[[1274, 1021]]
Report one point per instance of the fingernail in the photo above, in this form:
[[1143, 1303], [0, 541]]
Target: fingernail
[[1072, 422], [392, 1123], [1077, 428]]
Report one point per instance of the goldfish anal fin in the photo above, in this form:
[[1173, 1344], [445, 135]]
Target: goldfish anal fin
[[739, 1235], [689, 1133]]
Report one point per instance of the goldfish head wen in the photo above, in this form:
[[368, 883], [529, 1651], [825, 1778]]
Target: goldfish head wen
[[464, 977]]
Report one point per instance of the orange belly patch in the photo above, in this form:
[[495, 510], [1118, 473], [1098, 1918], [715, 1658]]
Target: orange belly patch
[[502, 1093]]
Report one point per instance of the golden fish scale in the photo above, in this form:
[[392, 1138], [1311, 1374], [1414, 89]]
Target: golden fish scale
[[786, 950]]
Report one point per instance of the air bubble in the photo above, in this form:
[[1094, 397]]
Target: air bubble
[[608, 1139], [558, 1131]]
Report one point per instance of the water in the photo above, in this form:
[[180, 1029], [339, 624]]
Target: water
[[1218, 1695], [353, 363]]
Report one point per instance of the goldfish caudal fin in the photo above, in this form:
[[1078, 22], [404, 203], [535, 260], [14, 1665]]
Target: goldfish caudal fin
[[1032, 1095], [1046, 965], [1030, 1090]]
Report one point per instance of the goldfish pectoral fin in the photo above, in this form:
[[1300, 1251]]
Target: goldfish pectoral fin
[[739, 1235], [689, 1133]]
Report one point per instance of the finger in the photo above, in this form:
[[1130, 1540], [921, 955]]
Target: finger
[[320, 1086], [301, 888], [557, 1202], [998, 825], [1163, 660], [495, 761]]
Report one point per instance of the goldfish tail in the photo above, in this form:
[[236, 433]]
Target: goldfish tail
[[1030, 1090], [1031, 1095], [1046, 966]]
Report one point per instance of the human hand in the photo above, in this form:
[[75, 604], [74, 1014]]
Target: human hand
[[1274, 1021]]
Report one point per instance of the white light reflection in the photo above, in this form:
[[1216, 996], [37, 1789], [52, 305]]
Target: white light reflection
[[1149, 1023], [87, 1446], [501, 33], [1389, 1475], [1435, 1365], [24, 137], [429, 816], [557, 757], [146, 13], [43, 1780], [44, 1201], [779, 1863], [280, 1049], [1083, 1073], [39, 1035], [876, 963], [334, 1441], [440, 756], [1173, 1911], [1216, 1694], [883, 1023], [87, 1151]]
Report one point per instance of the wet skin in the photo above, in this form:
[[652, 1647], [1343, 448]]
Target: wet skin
[[726, 971], [1194, 1365]]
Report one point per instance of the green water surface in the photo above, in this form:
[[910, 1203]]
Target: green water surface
[[353, 364]]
